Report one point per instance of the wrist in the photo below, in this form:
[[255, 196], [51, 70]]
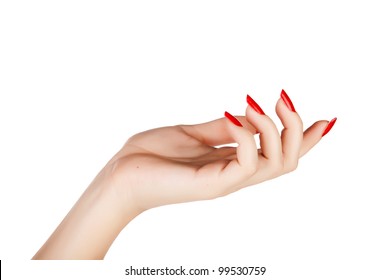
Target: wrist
[[92, 225]]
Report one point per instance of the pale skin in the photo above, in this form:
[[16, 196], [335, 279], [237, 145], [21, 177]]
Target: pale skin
[[179, 164]]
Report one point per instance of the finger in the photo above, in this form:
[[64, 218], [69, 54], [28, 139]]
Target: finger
[[292, 135], [269, 136], [245, 164], [215, 132], [312, 136]]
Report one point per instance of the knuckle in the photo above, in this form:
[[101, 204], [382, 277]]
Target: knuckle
[[277, 165], [216, 193], [275, 168], [299, 124], [290, 166], [250, 169]]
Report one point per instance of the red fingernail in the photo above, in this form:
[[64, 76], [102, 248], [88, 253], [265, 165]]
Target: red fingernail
[[329, 127], [233, 119], [287, 100], [254, 105]]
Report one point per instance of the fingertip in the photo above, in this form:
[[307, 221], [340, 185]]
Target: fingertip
[[329, 127], [287, 101], [232, 119], [254, 105], [288, 118]]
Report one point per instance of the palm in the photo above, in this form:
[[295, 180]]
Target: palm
[[175, 160]]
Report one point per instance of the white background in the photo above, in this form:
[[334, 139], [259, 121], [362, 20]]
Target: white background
[[77, 78]]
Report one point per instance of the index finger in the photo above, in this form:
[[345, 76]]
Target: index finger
[[215, 132]]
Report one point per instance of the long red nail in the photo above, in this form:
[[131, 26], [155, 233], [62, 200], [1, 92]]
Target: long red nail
[[329, 127], [232, 119], [287, 101], [254, 105]]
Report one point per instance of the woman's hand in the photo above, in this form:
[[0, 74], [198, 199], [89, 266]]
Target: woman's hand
[[179, 164], [182, 163]]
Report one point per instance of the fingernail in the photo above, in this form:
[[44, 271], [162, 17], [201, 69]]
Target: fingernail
[[232, 119], [329, 127], [254, 105], [287, 100]]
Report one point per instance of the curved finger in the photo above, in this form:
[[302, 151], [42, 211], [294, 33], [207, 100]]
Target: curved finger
[[291, 136], [269, 136], [245, 164]]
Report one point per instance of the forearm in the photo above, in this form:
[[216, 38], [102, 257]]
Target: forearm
[[90, 227]]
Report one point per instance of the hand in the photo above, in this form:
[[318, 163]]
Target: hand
[[181, 163]]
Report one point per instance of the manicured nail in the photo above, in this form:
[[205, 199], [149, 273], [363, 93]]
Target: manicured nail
[[287, 100], [329, 127], [254, 105], [232, 119]]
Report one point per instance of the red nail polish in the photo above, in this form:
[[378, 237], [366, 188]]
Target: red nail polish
[[254, 105], [329, 127], [233, 119], [287, 101]]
